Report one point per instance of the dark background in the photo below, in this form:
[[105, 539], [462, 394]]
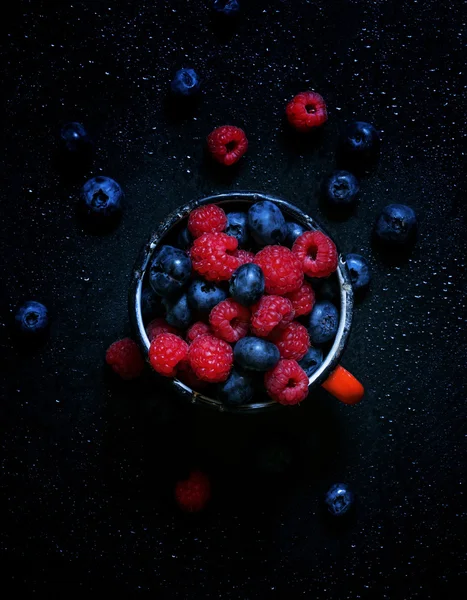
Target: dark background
[[88, 464]]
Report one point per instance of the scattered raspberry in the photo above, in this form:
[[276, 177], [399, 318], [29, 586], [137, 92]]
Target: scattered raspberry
[[158, 326], [227, 144], [302, 299], [306, 111], [193, 493], [282, 270], [197, 329], [125, 359], [271, 312], [210, 358], [206, 219], [293, 341], [186, 374], [166, 352], [244, 256], [317, 253], [287, 383], [230, 320], [212, 256]]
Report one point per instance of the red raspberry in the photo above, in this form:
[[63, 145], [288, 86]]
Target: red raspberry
[[227, 144], [210, 358], [197, 329], [317, 253], [125, 359], [244, 256], [287, 383], [193, 493], [158, 326], [206, 219], [166, 352], [271, 312], [212, 256], [282, 270], [186, 374], [230, 320], [306, 111], [302, 299], [293, 341]]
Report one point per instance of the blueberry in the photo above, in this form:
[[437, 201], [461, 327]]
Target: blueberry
[[150, 304], [323, 323], [32, 318], [229, 8], [256, 354], [339, 499], [170, 271], [184, 238], [341, 189], [396, 225], [74, 138], [274, 458], [102, 197], [185, 83], [178, 312], [359, 270], [204, 296], [311, 361], [292, 232], [359, 140], [237, 227], [237, 390], [267, 223], [247, 284]]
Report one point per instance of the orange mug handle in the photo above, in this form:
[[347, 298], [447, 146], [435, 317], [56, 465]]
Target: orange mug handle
[[343, 386]]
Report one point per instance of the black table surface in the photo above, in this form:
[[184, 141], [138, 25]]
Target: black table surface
[[88, 464]]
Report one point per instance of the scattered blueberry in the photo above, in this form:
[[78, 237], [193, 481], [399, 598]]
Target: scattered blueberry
[[229, 8], [312, 360], [237, 227], [359, 140], [267, 223], [178, 312], [339, 499], [204, 296], [150, 304], [170, 271], [324, 321], [256, 354], [292, 232], [184, 239], [396, 225], [74, 138], [275, 458], [359, 270], [247, 284], [341, 189], [32, 318], [237, 390], [102, 197], [185, 83]]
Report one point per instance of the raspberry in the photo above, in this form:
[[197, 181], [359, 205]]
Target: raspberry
[[125, 359], [193, 493], [210, 358], [244, 256], [287, 383], [317, 253], [158, 326], [293, 341], [271, 312], [302, 299], [282, 270], [197, 329], [306, 111], [230, 320], [166, 352], [186, 374], [206, 219], [227, 144], [211, 256]]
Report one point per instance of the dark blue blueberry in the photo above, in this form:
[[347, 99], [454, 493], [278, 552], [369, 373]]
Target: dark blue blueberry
[[247, 284], [185, 83], [184, 239], [311, 361], [204, 296], [74, 138], [178, 312], [292, 232], [229, 8], [266, 223], [323, 324], [396, 225], [237, 390], [359, 140], [359, 270], [102, 197], [170, 271], [150, 304], [237, 227], [341, 189], [256, 354], [339, 499], [32, 318]]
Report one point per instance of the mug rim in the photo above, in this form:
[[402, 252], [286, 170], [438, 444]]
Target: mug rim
[[248, 197]]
